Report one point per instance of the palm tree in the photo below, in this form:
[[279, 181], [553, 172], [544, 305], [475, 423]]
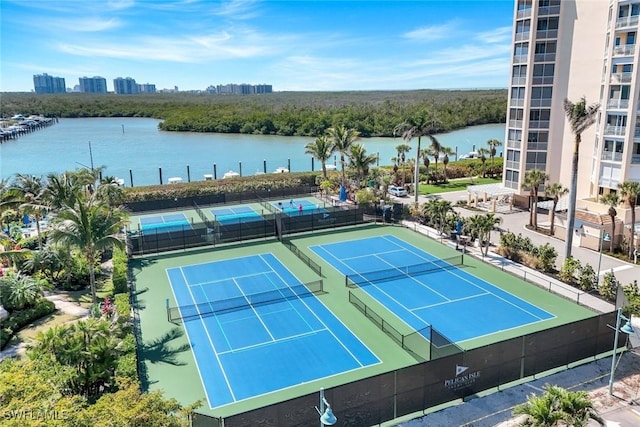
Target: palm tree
[[402, 149], [541, 411], [92, 227], [447, 151], [341, 139], [437, 210], [321, 149], [557, 406], [580, 116], [554, 191], [482, 226], [612, 200], [493, 144], [482, 153], [434, 150], [533, 179], [419, 125], [30, 195], [630, 191], [360, 160]]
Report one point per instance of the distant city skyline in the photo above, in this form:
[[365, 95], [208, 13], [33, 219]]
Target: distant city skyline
[[292, 45]]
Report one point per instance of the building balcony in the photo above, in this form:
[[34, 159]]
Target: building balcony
[[522, 35], [517, 102], [537, 146], [544, 57], [513, 165], [624, 50], [615, 130], [546, 34], [627, 21], [542, 80], [524, 13], [538, 124], [542, 102], [621, 78], [515, 124], [618, 103], [519, 59], [636, 133], [611, 156], [518, 81], [512, 143], [635, 159], [548, 10]]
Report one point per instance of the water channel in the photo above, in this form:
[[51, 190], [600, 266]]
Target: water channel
[[134, 149]]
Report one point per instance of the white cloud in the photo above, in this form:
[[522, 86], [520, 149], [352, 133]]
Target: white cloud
[[496, 35], [431, 33]]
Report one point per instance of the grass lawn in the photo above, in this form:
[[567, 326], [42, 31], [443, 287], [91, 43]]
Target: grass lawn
[[455, 185], [104, 288]]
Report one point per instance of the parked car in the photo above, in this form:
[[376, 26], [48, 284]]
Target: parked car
[[398, 191]]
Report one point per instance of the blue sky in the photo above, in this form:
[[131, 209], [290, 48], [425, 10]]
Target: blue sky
[[293, 45]]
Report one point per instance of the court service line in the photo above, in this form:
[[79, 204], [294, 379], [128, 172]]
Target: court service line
[[254, 310], [382, 291], [264, 344], [325, 325], [452, 301], [213, 347], [376, 254], [245, 276], [479, 285]]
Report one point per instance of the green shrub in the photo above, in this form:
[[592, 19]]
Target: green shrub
[[119, 275], [609, 286], [127, 362], [547, 255], [569, 268], [18, 319], [587, 278], [123, 307]]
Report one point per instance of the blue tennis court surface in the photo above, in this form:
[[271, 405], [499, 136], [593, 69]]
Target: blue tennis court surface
[[237, 214], [298, 207], [164, 223], [459, 305], [243, 351]]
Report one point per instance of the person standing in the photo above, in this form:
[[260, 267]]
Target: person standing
[[300, 209]]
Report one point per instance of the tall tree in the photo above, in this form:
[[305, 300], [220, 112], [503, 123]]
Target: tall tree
[[482, 153], [447, 151], [321, 149], [30, 194], [630, 191], [493, 145], [435, 149], [554, 191], [92, 227], [482, 226], [342, 138], [533, 179], [580, 117], [418, 125], [402, 149], [360, 160], [612, 200]]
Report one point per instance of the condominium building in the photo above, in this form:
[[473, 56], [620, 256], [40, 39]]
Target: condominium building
[[571, 49], [94, 84], [44, 83], [125, 86]]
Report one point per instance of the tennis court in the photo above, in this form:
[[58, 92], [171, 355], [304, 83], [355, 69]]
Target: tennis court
[[423, 290], [298, 207], [236, 214], [254, 328], [164, 223]]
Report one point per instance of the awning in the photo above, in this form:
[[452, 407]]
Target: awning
[[491, 189]]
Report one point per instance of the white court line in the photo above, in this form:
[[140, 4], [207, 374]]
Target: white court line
[[264, 344], [254, 310], [615, 269]]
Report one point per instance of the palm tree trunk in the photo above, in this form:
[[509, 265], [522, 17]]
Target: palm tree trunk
[[324, 170], [535, 210], [613, 233], [571, 209], [553, 218], [92, 279], [633, 231], [416, 173]]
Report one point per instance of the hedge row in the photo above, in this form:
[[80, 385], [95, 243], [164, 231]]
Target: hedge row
[[18, 319]]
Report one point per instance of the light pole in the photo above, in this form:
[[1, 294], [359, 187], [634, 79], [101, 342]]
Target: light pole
[[604, 237], [326, 414], [627, 329]]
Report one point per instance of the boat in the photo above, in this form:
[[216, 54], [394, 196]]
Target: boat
[[469, 155], [281, 170], [230, 174], [330, 167]]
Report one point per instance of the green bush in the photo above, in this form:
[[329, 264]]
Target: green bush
[[569, 268], [123, 307], [609, 286], [119, 275], [18, 319], [587, 278], [127, 362]]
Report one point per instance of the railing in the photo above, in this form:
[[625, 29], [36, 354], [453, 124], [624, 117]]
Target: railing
[[611, 156], [624, 50], [517, 102], [538, 124], [531, 166], [523, 13], [618, 103], [627, 21], [518, 59], [548, 10], [541, 102], [515, 123], [512, 143], [621, 77], [614, 130], [635, 159], [547, 34], [540, 146], [544, 57], [518, 81], [513, 164], [522, 35], [542, 80]]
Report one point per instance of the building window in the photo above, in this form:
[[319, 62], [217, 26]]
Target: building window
[[543, 73]]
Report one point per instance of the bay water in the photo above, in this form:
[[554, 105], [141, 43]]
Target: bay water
[[135, 148]]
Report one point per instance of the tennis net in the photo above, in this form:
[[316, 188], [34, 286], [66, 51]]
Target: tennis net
[[245, 301], [202, 215], [268, 206], [371, 277]]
